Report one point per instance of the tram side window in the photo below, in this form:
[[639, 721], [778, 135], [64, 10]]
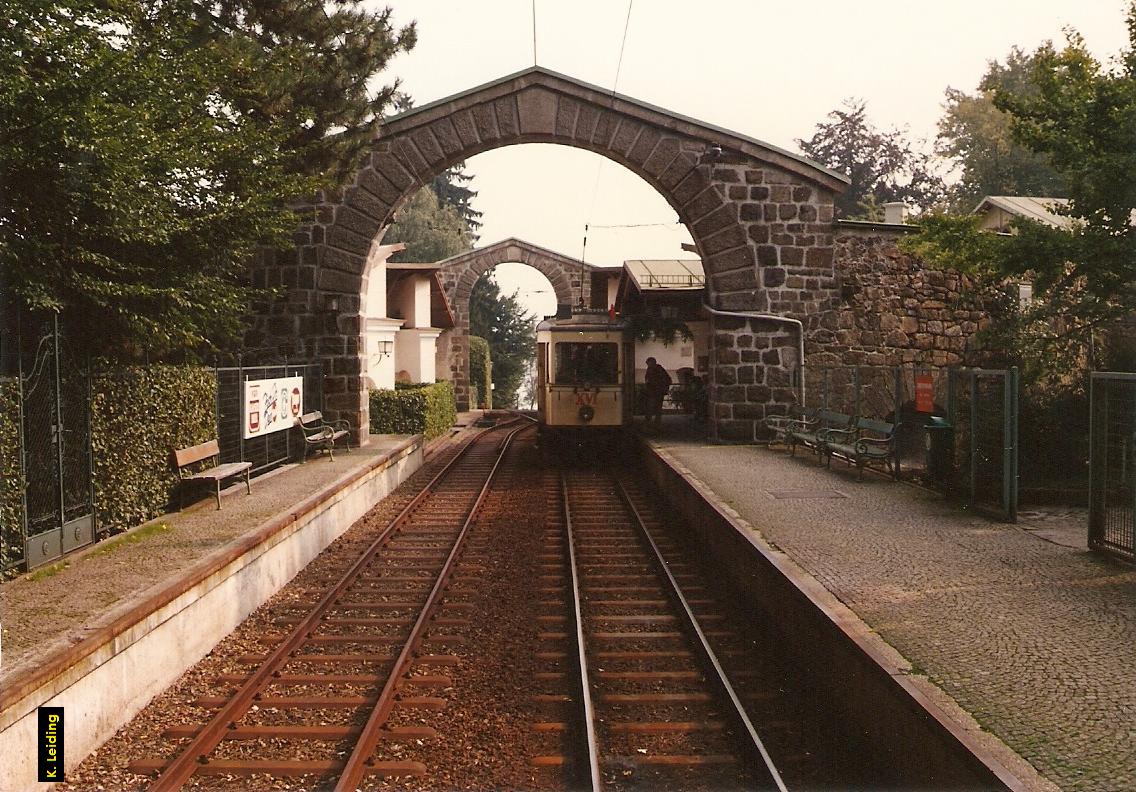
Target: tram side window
[[587, 364]]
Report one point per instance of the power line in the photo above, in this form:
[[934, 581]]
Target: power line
[[614, 87], [534, 30], [637, 225]]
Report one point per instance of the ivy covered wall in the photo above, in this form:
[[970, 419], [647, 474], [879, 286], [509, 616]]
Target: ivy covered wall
[[138, 416], [11, 477]]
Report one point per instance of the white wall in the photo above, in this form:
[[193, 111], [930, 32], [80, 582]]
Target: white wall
[[680, 354]]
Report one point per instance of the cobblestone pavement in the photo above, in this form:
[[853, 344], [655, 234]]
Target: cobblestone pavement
[[1026, 630]]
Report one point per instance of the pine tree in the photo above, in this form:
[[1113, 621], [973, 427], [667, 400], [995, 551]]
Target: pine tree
[[309, 66]]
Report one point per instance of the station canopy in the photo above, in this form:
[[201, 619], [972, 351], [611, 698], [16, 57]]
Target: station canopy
[[666, 274]]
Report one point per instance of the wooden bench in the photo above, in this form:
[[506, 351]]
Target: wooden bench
[[320, 434], [183, 457], [865, 442], [779, 425]]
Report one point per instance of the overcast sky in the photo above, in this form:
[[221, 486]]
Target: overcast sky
[[767, 70]]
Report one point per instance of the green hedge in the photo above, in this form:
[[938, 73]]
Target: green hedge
[[414, 409], [480, 373], [11, 477], [138, 416]]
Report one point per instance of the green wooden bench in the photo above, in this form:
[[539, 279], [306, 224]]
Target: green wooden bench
[[323, 435], [865, 441], [807, 432]]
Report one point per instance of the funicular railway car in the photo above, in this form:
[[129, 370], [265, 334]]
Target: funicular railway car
[[585, 379]]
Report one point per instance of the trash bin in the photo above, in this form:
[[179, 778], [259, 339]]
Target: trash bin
[[940, 451]]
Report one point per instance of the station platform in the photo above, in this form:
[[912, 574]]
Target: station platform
[[1020, 625], [105, 629]]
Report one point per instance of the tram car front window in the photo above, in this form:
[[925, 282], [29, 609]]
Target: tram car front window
[[587, 363]]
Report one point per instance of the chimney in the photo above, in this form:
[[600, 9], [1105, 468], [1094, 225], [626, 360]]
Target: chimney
[[895, 212]]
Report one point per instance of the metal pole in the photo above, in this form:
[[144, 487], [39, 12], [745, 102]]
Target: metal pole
[[59, 423], [240, 406], [898, 385], [825, 401], [1094, 507], [1007, 447], [1016, 479], [856, 391], [23, 451], [91, 446], [973, 435]]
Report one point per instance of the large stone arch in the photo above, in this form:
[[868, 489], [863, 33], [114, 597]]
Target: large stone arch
[[570, 279], [761, 218]]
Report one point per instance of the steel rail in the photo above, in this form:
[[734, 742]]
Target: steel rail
[[356, 765], [589, 711], [194, 755], [702, 644]]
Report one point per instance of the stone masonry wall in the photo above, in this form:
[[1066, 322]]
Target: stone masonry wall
[[890, 309]]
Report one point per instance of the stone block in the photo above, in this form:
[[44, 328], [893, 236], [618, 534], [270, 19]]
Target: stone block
[[772, 277], [715, 221], [508, 120], [428, 145], [566, 113], [485, 120], [644, 146], [625, 136], [753, 176], [728, 238], [586, 123], [735, 431], [466, 128], [661, 158]]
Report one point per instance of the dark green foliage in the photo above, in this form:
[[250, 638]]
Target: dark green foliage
[[149, 148], [419, 408], [976, 135], [1081, 116], [309, 68], [11, 477], [509, 329], [647, 326], [139, 416], [480, 373], [452, 188], [883, 165], [431, 230]]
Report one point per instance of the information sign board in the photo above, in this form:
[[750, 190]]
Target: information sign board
[[271, 405]]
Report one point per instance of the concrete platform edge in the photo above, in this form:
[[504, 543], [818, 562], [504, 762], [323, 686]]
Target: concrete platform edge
[[849, 649], [110, 675]]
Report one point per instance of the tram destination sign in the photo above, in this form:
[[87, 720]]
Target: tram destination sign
[[271, 405]]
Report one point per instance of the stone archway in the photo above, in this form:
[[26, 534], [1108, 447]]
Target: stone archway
[[760, 217], [569, 278]]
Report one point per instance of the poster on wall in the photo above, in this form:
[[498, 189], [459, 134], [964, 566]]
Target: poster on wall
[[924, 393], [271, 405]]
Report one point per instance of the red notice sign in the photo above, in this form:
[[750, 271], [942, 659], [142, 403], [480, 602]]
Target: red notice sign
[[924, 393]]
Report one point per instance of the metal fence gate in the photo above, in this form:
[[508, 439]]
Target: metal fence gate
[[1112, 463], [55, 434], [266, 450], [978, 408]]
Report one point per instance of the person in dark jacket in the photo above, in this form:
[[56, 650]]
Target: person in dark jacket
[[658, 382]]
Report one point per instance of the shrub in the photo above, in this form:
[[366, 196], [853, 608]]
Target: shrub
[[418, 408], [480, 373], [11, 477], [138, 416]]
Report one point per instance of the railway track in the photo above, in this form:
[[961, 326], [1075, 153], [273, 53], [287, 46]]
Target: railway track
[[373, 645], [638, 696]]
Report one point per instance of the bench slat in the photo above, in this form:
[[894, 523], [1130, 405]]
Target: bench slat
[[222, 471], [187, 456]]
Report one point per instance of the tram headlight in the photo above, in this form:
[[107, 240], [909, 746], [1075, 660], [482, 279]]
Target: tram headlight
[[586, 412]]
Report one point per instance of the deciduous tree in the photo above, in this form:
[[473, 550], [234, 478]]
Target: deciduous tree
[[1081, 116], [883, 165], [976, 135]]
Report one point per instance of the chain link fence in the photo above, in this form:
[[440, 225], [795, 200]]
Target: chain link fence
[[970, 414], [1112, 468]]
